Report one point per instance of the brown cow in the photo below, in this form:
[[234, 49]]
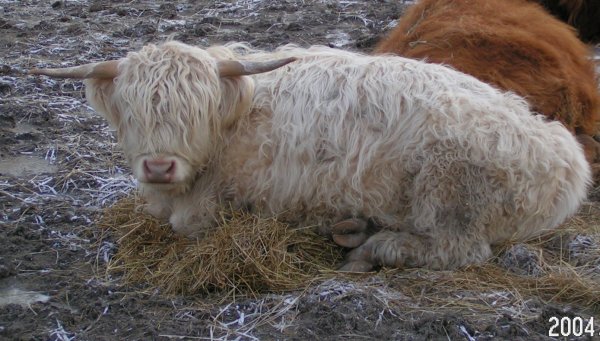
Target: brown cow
[[584, 15], [513, 44]]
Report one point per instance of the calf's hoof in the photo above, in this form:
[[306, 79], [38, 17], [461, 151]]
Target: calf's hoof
[[350, 233], [356, 266], [359, 260]]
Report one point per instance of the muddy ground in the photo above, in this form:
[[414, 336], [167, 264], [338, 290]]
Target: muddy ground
[[60, 166]]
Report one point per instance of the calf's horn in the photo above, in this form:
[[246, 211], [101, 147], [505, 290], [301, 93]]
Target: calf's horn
[[232, 68], [104, 70]]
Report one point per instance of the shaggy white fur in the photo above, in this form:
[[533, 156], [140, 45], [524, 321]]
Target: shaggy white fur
[[446, 164]]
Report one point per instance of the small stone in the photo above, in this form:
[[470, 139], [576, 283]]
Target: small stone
[[122, 12], [5, 271], [583, 250], [522, 259], [5, 88], [97, 7]]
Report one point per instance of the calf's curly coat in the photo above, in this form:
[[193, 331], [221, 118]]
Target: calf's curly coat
[[512, 44], [447, 164]]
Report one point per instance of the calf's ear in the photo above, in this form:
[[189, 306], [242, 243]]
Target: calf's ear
[[99, 93]]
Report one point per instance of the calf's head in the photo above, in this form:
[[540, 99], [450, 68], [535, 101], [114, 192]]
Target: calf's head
[[170, 105]]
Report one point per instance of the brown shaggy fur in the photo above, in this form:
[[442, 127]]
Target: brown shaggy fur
[[584, 15], [513, 44]]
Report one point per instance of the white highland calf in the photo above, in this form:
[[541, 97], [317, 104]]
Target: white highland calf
[[445, 164]]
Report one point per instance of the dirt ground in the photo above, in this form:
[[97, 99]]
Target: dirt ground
[[60, 166]]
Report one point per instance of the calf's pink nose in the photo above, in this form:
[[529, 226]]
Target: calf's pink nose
[[159, 170]]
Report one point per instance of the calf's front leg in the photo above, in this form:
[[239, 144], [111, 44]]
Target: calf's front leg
[[195, 212]]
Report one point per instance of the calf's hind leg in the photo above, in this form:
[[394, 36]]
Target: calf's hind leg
[[405, 249], [453, 205]]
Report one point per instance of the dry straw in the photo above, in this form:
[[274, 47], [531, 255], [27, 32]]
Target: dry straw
[[248, 255], [567, 264], [244, 255]]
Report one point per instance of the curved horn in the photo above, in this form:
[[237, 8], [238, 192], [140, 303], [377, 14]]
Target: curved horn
[[231, 68], [94, 70]]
